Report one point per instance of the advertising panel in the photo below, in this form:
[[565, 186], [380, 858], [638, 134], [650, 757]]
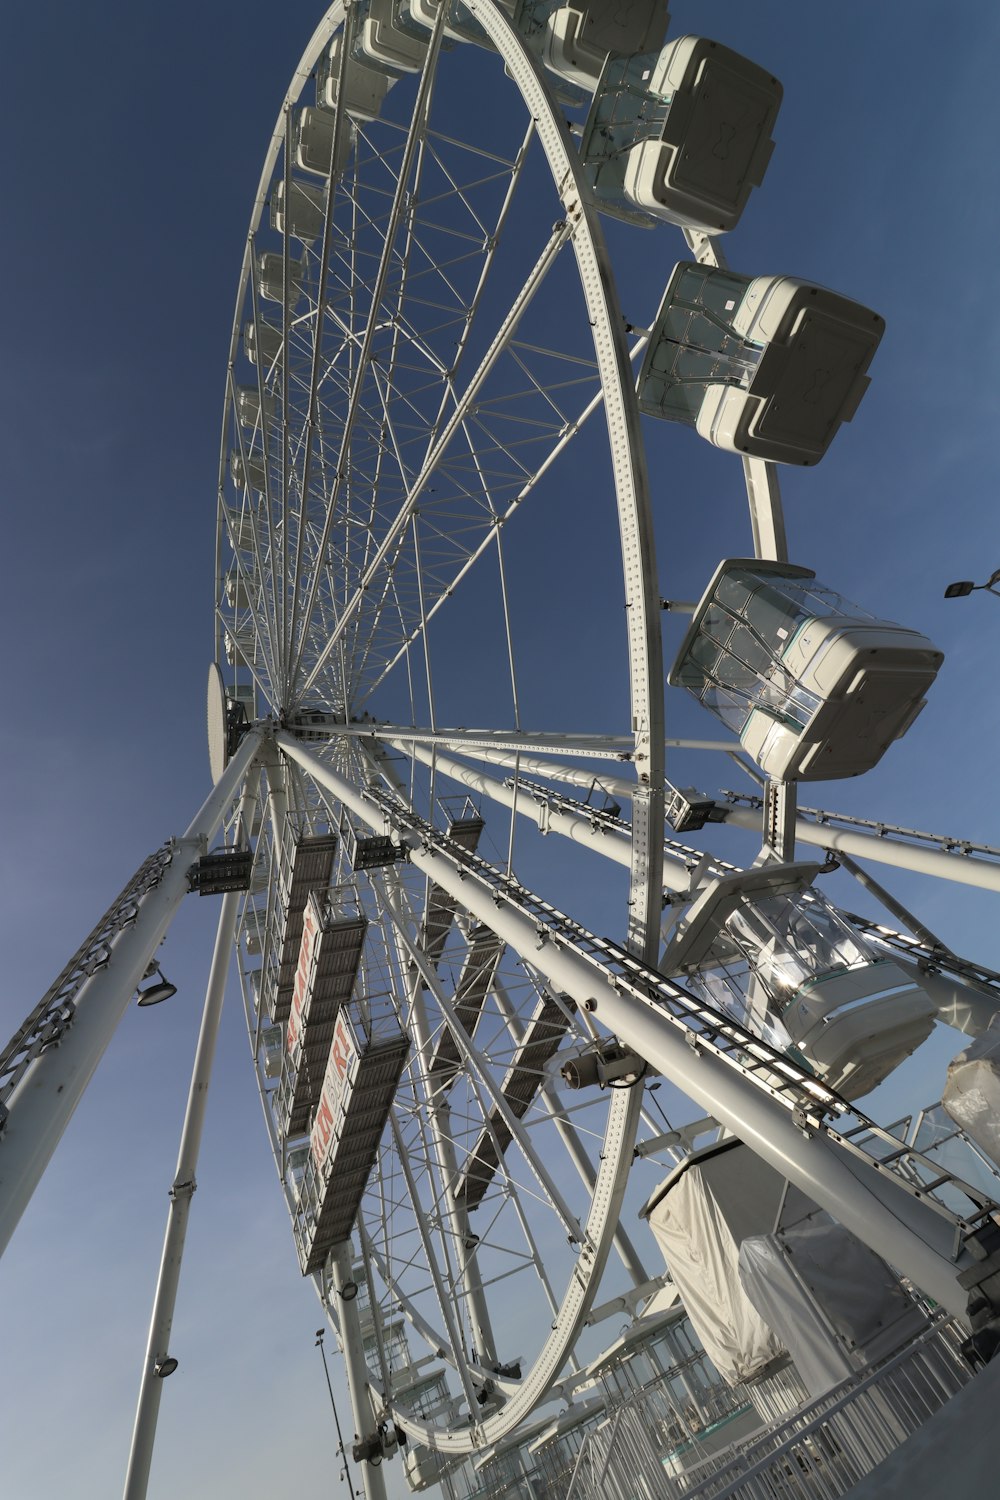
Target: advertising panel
[[303, 972], [340, 1071]]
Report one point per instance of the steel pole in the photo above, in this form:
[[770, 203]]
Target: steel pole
[[353, 1345], [904, 1230], [44, 1101], [181, 1192], [964, 869], [613, 843]]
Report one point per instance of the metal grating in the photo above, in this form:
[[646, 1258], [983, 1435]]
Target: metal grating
[[333, 971], [521, 1083], [474, 984], [328, 1208], [439, 913], [309, 869]]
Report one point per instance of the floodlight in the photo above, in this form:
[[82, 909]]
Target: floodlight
[[369, 1449], [153, 994]]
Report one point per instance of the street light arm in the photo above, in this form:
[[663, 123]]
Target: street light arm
[[965, 586]]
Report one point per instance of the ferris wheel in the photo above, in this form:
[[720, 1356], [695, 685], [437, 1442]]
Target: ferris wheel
[[432, 394], [467, 952], [429, 342]]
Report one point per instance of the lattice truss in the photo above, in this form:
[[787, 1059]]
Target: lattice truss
[[489, 1152], [421, 403]]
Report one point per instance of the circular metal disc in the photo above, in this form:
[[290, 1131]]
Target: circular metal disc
[[217, 756]]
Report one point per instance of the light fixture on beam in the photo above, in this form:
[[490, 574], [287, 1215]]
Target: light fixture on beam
[[153, 994], [369, 1450]]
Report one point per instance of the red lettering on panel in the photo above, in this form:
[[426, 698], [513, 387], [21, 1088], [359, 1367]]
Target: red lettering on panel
[[301, 979], [322, 1131]]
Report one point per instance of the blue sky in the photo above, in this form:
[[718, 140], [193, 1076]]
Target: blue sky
[[136, 137]]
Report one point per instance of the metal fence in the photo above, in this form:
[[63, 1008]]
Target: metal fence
[[817, 1452]]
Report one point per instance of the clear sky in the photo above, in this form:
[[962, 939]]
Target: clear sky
[[135, 137]]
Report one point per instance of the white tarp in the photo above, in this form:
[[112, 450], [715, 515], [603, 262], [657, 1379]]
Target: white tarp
[[774, 1290], [972, 1093], [703, 1256], [834, 1302]]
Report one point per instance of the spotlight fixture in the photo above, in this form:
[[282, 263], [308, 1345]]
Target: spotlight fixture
[[349, 1290], [165, 1366], [368, 1449], [154, 993]]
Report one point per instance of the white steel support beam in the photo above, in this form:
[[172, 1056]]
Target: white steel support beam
[[353, 1344], [963, 869], [610, 842], [766, 517], [554, 770], [530, 742], [182, 1190], [44, 1101], [906, 1231]]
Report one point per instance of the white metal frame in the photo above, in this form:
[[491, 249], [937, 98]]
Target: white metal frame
[[44, 1100]]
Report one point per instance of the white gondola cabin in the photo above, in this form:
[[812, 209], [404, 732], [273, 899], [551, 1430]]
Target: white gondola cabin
[[272, 1051], [248, 406], [578, 37], [313, 142], [247, 473], [364, 88], [271, 277], [306, 212], [262, 341], [389, 39], [783, 961], [239, 645], [766, 366], [240, 529], [237, 592], [683, 135], [816, 687]]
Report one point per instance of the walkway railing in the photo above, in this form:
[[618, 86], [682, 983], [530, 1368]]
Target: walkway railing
[[818, 1452]]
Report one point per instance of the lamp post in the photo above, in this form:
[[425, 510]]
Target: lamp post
[[342, 1451], [959, 590]]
